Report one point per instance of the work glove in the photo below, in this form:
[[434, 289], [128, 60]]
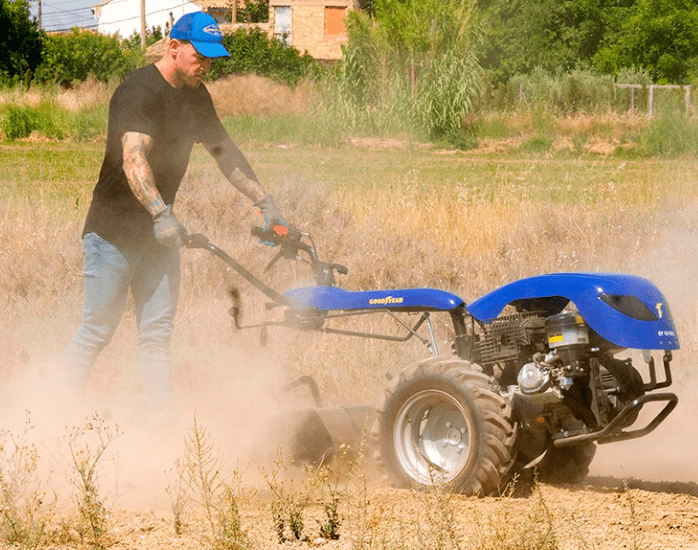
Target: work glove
[[167, 229], [273, 220]]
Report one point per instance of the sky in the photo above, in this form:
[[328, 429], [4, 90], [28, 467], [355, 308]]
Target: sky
[[57, 15]]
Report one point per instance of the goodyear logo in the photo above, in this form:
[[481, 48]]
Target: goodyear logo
[[385, 301], [213, 30]]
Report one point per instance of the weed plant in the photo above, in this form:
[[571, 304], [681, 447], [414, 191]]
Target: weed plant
[[27, 509], [500, 531], [201, 483], [288, 503], [87, 446]]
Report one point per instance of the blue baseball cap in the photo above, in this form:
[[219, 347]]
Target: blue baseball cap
[[202, 31]]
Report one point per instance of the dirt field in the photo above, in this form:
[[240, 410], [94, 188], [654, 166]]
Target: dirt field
[[604, 513], [640, 494]]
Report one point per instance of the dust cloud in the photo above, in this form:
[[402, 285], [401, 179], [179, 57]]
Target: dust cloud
[[239, 413], [243, 411], [670, 453]]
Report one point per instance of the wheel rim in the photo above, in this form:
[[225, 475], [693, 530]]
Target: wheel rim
[[432, 437]]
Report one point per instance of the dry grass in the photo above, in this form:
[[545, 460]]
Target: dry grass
[[460, 222], [86, 94], [248, 95]]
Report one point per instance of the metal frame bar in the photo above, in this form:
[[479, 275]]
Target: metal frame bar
[[614, 431]]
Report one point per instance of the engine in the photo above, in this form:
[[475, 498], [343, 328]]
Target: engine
[[560, 376], [567, 359]]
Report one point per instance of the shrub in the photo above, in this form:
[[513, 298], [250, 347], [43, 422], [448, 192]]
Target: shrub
[[152, 35], [20, 122], [396, 76], [74, 57], [564, 93], [252, 52]]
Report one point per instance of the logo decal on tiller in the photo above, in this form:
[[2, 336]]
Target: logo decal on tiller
[[659, 309], [213, 30], [385, 301]]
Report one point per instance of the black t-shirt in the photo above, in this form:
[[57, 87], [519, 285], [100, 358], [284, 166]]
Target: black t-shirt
[[175, 119]]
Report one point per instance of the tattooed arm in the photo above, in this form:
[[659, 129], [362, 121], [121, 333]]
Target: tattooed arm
[[235, 167], [136, 147]]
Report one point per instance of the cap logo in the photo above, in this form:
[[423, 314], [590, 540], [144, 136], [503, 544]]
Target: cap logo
[[213, 30]]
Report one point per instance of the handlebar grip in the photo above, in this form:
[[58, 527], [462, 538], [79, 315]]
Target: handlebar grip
[[278, 234], [196, 240], [261, 234]]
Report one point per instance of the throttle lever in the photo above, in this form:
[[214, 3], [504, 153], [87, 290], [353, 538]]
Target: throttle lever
[[341, 269], [280, 254]]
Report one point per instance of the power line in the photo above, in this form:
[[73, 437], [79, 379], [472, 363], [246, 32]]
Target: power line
[[64, 2], [53, 16], [59, 10], [74, 25], [138, 16], [101, 23]]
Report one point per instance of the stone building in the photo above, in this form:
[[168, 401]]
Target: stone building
[[315, 26]]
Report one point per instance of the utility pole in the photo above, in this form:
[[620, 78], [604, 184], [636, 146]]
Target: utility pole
[[143, 25], [39, 13]]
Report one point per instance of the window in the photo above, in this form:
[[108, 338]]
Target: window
[[282, 24], [334, 20]]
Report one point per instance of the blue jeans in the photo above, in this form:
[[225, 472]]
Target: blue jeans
[[153, 279]]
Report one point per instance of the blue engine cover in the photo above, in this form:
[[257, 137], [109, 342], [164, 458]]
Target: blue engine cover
[[611, 304], [326, 298]]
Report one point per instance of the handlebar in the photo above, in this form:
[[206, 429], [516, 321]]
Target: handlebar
[[197, 240], [292, 246], [288, 238]]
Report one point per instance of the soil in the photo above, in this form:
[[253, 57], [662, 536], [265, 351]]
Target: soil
[[640, 494], [605, 512]]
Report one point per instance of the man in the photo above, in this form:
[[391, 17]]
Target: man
[[131, 235]]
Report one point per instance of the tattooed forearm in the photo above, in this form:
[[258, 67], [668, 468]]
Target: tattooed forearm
[[234, 165], [250, 188], [138, 172]]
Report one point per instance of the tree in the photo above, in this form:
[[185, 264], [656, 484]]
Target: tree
[[659, 36], [253, 11], [20, 40], [253, 52], [554, 35]]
